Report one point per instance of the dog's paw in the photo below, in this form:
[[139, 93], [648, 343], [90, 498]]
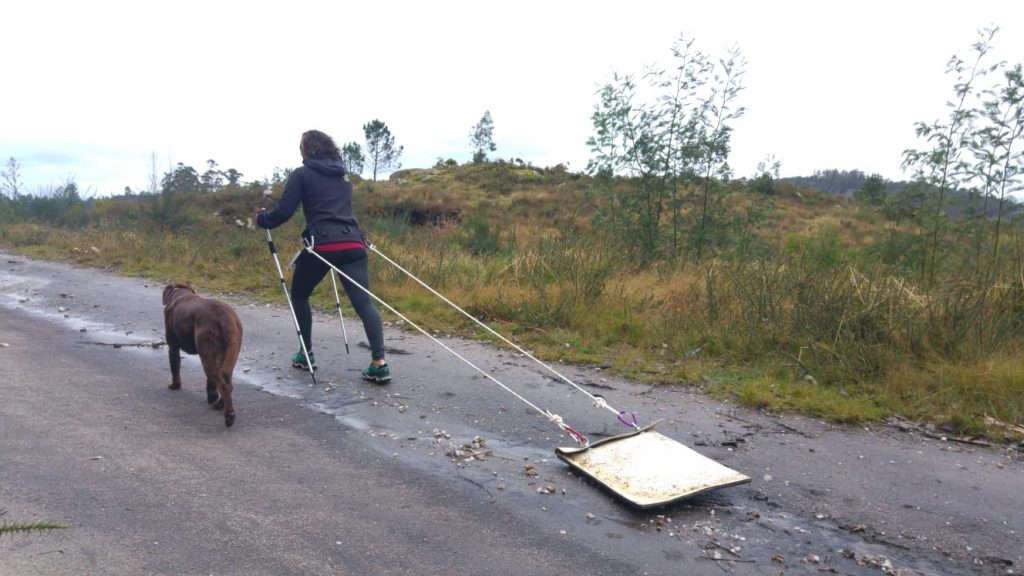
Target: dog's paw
[[218, 405], [212, 397], [174, 385], [229, 419]]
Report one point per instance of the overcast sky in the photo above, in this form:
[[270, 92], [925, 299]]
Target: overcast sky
[[93, 90]]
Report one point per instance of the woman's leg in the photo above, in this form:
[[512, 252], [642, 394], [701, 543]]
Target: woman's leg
[[309, 271], [354, 264]]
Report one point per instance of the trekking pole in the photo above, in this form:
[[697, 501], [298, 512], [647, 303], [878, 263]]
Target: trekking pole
[[288, 298], [337, 302]]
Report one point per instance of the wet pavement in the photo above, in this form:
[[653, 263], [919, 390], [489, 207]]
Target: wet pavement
[[822, 498]]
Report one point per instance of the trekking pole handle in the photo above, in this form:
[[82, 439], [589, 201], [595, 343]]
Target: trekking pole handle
[[270, 241], [273, 252]]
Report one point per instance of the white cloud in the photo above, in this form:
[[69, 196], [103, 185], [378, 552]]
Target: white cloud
[[102, 85]]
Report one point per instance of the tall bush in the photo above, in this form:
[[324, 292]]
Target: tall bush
[[656, 162]]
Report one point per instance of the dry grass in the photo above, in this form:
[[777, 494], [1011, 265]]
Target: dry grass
[[816, 326]]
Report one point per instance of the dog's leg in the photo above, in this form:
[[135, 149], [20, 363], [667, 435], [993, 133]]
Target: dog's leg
[[174, 354], [218, 386], [212, 395], [226, 396], [221, 390], [227, 390], [211, 366]]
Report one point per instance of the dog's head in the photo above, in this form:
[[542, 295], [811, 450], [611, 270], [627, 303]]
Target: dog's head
[[170, 289]]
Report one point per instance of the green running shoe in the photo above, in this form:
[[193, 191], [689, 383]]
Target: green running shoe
[[377, 374], [299, 360]]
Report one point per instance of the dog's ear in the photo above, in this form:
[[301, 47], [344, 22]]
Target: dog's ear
[[167, 292]]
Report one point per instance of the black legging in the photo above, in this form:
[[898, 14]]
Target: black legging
[[310, 270]]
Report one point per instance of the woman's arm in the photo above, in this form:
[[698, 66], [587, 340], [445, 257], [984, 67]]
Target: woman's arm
[[289, 202]]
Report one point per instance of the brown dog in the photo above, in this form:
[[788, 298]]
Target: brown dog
[[209, 328]]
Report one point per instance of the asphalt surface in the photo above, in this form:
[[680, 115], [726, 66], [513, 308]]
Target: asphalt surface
[[440, 472]]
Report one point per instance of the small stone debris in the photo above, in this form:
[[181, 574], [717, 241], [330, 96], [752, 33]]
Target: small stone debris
[[901, 424], [530, 469], [865, 560], [4, 345], [473, 451], [660, 521]]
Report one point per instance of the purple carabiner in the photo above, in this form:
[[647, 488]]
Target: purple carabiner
[[622, 418]]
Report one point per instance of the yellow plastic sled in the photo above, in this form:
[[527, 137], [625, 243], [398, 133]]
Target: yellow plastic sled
[[647, 468]]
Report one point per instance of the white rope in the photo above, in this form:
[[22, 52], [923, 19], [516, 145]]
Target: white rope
[[598, 401], [547, 414]]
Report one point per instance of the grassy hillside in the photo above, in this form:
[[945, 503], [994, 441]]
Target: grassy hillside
[[800, 302]]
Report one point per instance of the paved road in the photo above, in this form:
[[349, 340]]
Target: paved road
[[349, 478]]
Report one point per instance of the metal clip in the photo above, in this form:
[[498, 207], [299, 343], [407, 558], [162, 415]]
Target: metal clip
[[622, 418]]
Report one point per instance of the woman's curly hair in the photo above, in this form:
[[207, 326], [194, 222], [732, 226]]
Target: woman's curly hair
[[316, 144]]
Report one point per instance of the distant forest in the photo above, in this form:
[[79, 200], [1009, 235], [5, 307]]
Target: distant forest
[[839, 182], [847, 183]]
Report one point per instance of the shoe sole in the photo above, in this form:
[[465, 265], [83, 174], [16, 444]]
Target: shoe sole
[[377, 379], [301, 366]]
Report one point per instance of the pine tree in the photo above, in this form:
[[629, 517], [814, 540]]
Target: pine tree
[[380, 148], [481, 137], [352, 157]]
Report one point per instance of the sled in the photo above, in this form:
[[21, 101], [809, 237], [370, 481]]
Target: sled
[[647, 469]]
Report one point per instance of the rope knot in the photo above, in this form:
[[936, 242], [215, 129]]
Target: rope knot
[[555, 419]]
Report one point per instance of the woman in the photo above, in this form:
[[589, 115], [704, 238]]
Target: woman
[[323, 188]]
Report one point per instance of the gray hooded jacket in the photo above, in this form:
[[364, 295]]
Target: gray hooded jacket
[[323, 188]]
